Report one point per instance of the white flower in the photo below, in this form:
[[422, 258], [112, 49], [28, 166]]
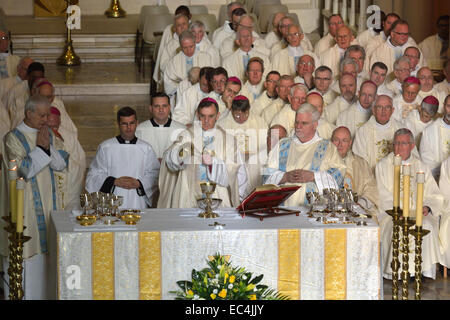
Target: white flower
[[219, 266], [217, 276], [230, 286], [196, 297], [215, 291], [244, 277]]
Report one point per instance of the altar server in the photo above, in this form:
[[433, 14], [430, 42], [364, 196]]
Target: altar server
[[433, 202], [125, 165], [305, 159], [31, 145], [204, 152]]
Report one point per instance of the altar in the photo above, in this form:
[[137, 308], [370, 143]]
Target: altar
[[301, 257]]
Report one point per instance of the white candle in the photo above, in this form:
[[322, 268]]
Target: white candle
[[406, 186], [20, 197], [397, 164], [419, 200], [12, 175]]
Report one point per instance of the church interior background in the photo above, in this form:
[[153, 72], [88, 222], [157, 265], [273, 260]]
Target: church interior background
[[108, 77]]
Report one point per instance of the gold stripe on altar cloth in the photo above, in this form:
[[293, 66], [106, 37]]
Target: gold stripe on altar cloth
[[149, 265], [335, 264], [103, 266], [289, 263]]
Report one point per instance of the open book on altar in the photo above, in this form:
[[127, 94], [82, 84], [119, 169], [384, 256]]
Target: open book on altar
[[263, 202]]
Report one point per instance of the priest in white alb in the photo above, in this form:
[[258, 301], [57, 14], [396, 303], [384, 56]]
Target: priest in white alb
[[125, 165], [378, 73], [373, 140], [327, 41], [268, 95], [408, 100], [444, 85], [8, 61], [305, 70], [435, 143], [254, 85], [324, 128], [202, 153], [274, 36], [323, 79], [347, 85], [203, 43], [7, 83], [305, 159], [359, 112], [433, 204], [401, 72], [283, 88], [435, 47], [31, 145], [226, 29], [427, 87], [232, 88]]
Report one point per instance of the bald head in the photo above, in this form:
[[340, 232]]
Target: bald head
[[274, 135], [316, 100], [342, 139], [344, 37], [426, 79]]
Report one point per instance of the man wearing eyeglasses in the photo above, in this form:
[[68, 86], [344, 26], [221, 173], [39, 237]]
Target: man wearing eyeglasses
[[373, 140], [323, 78], [347, 85], [8, 62], [427, 87], [334, 22], [254, 85], [286, 60], [401, 72], [125, 165], [269, 95], [395, 46], [408, 100], [435, 47], [433, 203], [305, 70]]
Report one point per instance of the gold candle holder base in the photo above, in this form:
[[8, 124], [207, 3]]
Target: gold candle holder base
[[68, 58], [115, 10], [208, 215], [395, 213], [418, 233], [405, 225]]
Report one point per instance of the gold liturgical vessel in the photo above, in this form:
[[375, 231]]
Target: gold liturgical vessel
[[69, 57], [208, 204], [115, 11]]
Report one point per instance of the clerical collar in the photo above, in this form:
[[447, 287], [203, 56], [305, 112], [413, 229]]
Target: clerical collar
[[255, 88], [361, 108], [24, 127], [123, 141], [383, 126], [390, 44], [167, 124], [295, 51], [314, 139], [242, 52], [271, 98]]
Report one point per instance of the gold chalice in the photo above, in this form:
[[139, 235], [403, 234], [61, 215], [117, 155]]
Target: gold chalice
[[208, 204], [86, 220], [130, 217]]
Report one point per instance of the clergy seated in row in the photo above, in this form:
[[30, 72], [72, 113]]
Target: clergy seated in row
[[283, 29], [421, 118], [226, 29], [125, 165], [269, 94], [373, 140], [192, 79], [433, 204], [408, 100], [358, 55], [283, 88], [347, 83], [427, 87], [324, 128], [387, 23], [15, 99], [218, 81], [444, 85], [358, 175], [347, 65], [328, 41], [435, 47], [305, 159], [323, 78], [444, 186], [254, 85], [305, 70], [70, 181], [187, 103], [202, 153], [332, 57], [32, 145], [368, 36], [378, 73], [236, 15], [275, 134], [413, 54], [230, 44], [250, 133], [171, 32], [395, 46], [232, 89], [178, 67], [203, 43], [160, 131], [236, 63], [401, 72], [435, 143], [286, 116], [359, 112], [8, 61], [274, 36], [7, 83], [285, 61]]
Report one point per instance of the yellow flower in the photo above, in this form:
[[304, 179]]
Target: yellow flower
[[213, 296], [223, 293], [232, 278], [225, 278], [252, 297], [190, 292], [250, 287]]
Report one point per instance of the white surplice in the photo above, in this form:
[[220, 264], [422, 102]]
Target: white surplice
[[252, 92], [403, 108], [353, 117], [384, 173], [284, 61], [234, 63], [115, 159], [413, 123]]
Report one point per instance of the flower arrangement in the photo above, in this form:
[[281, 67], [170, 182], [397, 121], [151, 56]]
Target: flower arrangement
[[221, 281]]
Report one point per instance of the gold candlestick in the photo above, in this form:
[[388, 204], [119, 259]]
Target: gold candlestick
[[69, 57], [406, 224], [418, 234], [115, 11], [395, 213], [15, 270]]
